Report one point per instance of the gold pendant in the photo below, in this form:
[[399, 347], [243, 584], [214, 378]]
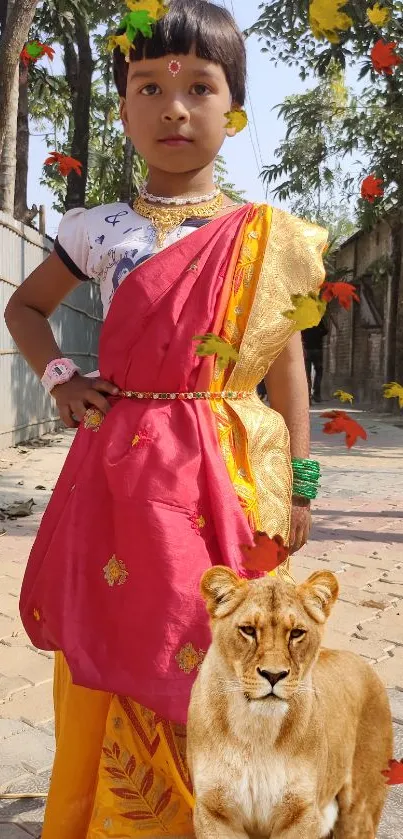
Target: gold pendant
[[167, 219]]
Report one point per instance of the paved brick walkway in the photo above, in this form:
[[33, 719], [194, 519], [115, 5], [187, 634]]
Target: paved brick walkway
[[358, 533]]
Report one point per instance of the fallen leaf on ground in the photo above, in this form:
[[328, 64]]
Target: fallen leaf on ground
[[19, 509], [375, 604]]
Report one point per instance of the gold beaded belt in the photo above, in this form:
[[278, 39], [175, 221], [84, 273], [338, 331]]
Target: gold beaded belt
[[204, 394]]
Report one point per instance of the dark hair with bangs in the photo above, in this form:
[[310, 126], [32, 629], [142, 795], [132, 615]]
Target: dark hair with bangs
[[192, 24]]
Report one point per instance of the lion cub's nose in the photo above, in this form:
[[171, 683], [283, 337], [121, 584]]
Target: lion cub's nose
[[273, 678]]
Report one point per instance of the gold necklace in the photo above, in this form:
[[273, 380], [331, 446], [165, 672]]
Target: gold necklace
[[166, 219]]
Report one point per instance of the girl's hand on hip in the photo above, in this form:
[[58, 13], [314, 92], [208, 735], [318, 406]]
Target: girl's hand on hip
[[300, 523], [75, 397]]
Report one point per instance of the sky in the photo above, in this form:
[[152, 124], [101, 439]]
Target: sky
[[268, 86]]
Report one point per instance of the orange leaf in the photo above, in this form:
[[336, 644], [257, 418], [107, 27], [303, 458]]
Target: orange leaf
[[345, 293], [64, 163], [372, 188], [383, 56], [394, 773], [266, 555], [342, 423], [49, 51]]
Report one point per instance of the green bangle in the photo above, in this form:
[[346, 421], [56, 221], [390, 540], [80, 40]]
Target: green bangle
[[305, 469], [299, 463], [310, 492]]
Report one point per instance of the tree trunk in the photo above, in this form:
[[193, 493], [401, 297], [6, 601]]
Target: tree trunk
[[126, 183], [20, 17], [21, 211], [8, 158], [3, 16], [79, 77]]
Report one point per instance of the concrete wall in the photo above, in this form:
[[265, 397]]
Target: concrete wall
[[25, 411]]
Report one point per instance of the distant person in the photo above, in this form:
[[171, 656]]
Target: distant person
[[312, 340], [261, 391]]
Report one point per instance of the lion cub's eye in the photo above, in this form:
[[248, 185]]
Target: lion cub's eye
[[250, 631], [297, 633]]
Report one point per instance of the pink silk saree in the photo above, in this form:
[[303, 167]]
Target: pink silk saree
[[145, 505]]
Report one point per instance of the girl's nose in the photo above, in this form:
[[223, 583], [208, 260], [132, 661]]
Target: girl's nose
[[175, 112]]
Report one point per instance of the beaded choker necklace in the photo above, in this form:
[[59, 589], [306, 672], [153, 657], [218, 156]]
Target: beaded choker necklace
[[168, 218], [178, 201]]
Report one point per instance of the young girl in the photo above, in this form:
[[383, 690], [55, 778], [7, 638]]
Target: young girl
[[176, 460]]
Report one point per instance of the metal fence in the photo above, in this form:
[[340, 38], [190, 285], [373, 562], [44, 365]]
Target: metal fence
[[25, 411]]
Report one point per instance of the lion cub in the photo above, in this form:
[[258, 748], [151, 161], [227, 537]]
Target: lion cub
[[284, 739]]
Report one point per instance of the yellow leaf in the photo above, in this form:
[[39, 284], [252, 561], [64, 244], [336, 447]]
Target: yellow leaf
[[237, 118], [308, 310], [121, 41], [378, 15], [155, 8], [211, 344], [343, 396], [394, 390], [326, 20]]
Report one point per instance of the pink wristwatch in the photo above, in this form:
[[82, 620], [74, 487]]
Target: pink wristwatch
[[58, 372]]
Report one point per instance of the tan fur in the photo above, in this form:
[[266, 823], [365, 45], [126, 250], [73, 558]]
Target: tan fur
[[300, 765]]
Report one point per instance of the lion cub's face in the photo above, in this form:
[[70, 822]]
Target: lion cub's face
[[267, 633]]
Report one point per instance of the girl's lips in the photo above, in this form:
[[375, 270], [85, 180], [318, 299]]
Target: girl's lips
[[175, 141]]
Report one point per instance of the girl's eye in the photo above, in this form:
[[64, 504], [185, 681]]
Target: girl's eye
[[149, 90], [201, 89], [250, 631], [297, 633]]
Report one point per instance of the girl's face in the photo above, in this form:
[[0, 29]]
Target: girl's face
[[176, 122]]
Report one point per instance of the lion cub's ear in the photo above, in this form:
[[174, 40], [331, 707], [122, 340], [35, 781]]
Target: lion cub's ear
[[319, 594], [220, 588]]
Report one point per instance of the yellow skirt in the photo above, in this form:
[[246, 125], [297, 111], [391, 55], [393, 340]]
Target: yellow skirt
[[119, 771]]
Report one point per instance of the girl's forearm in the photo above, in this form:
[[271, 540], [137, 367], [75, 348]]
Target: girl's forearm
[[287, 390], [33, 335]]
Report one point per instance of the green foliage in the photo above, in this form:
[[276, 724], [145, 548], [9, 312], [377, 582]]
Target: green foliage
[[283, 27], [229, 189], [367, 126]]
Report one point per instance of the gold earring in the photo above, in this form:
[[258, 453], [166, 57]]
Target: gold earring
[[237, 119]]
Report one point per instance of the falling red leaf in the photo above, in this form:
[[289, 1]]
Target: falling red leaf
[[34, 50], [384, 58], [345, 293], [64, 163], [372, 188], [394, 774], [266, 554], [342, 423], [49, 51]]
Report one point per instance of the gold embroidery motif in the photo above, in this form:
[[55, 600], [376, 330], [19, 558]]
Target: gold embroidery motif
[[198, 522], [141, 438], [115, 572], [93, 419], [37, 614], [188, 659]]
